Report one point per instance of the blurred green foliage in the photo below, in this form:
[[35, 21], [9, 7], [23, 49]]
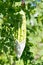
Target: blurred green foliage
[[34, 19]]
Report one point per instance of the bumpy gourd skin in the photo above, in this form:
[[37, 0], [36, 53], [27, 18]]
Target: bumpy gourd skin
[[20, 33]]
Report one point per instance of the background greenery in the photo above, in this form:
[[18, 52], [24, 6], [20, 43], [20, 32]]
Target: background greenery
[[33, 52]]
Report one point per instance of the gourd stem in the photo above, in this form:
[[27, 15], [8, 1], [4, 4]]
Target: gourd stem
[[23, 2]]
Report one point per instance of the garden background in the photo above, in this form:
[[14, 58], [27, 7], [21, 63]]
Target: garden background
[[33, 52]]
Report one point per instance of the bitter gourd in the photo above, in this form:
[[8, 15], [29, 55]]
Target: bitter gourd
[[20, 33]]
